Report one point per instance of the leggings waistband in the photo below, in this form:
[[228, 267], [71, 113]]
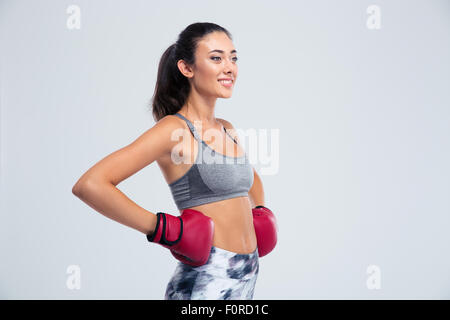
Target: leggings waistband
[[227, 264], [231, 253]]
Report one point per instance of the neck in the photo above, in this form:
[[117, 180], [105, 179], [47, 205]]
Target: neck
[[200, 108]]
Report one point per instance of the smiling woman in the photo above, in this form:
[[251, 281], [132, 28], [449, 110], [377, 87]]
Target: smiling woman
[[223, 229], [203, 49]]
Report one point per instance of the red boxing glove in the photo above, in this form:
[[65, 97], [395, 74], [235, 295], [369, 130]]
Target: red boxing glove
[[189, 236], [265, 229]]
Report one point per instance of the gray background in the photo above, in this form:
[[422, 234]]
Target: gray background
[[363, 116]]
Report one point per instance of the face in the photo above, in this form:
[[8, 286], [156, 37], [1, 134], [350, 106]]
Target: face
[[215, 59]]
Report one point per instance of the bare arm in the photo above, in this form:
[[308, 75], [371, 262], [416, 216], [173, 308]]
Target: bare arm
[[256, 192], [97, 187], [108, 200]]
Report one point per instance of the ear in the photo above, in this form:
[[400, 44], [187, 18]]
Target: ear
[[185, 69]]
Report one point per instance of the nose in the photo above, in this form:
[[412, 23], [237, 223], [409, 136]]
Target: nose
[[229, 67]]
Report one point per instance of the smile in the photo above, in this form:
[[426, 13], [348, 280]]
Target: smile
[[226, 83]]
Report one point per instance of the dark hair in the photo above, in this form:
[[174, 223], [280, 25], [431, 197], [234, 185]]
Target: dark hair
[[172, 87]]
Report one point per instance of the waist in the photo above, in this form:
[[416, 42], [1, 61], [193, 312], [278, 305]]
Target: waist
[[233, 224], [237, 245], [234, 231]]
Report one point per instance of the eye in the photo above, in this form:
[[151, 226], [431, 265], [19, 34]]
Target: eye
[[235, 58]]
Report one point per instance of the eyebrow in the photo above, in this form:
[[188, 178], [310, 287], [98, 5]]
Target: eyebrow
[[221, 51]]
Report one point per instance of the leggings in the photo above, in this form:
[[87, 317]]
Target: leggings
[[225, 276]]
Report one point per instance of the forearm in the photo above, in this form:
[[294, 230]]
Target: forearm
[[108, 200], [256, 193]]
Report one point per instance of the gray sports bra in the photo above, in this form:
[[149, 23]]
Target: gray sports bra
[[212, 177]]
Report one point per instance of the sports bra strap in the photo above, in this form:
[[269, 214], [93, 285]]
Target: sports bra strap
[[230, 135], [190, 125], [194, 132]]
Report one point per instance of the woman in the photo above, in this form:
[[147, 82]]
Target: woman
[[217, 238]]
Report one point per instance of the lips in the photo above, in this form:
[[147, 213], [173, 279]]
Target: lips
[[226, 83]]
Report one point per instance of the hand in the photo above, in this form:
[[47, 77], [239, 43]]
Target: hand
[[265, 228], [189, 236]]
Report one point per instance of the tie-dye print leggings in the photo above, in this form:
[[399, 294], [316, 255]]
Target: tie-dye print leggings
[[225, 276]]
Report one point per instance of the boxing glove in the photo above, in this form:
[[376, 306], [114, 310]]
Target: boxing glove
[[265, 228], [189, 236]]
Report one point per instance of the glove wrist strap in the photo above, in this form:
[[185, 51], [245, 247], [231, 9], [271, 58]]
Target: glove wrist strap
[[162, 238], [260, 207]]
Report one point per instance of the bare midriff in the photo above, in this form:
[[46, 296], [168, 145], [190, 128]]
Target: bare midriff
[[233, 224]]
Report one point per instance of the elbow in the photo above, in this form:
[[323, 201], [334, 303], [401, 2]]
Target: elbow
[[84, 185], [80, 187], [77, 189]]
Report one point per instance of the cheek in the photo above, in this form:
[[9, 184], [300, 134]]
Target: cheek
[[207, 72], [209, 79]]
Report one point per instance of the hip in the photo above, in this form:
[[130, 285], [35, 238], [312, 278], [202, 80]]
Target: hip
[[226, 275]]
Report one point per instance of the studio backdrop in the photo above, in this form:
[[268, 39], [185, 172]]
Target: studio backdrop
[[350, 101]]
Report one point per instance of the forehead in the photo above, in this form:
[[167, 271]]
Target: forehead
[[213, 41]]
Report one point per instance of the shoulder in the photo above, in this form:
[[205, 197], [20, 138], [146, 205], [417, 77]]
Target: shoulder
[[167, 129], [169, 119], [229, 127], [169, 123], [225, 123]]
